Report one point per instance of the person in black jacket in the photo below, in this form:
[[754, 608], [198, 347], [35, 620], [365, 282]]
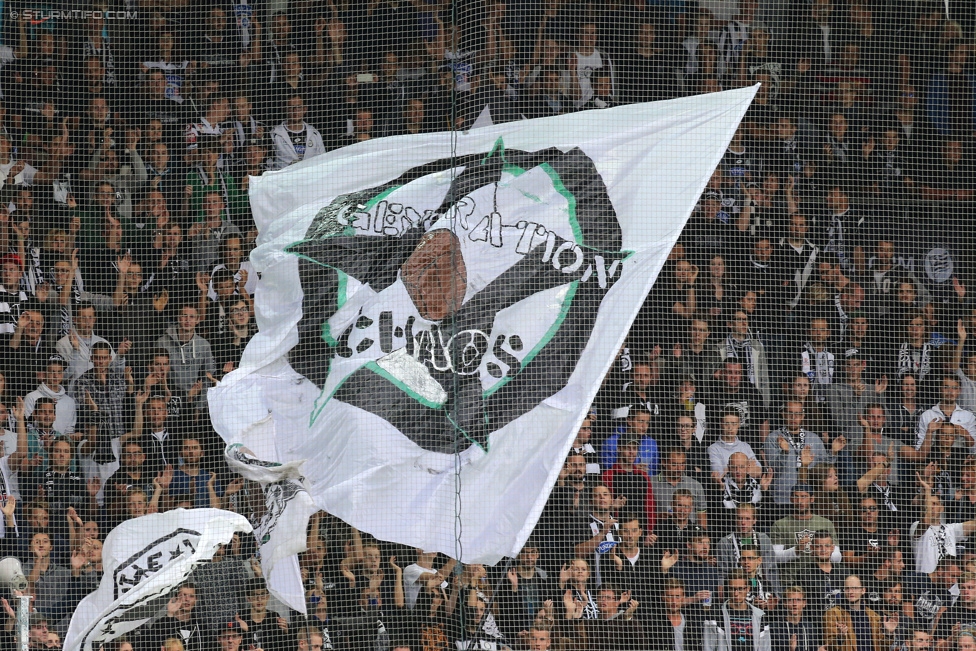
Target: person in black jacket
[[180, 622], [675, 624], [793, 630]]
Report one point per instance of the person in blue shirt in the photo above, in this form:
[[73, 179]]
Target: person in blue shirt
[[638, 422]]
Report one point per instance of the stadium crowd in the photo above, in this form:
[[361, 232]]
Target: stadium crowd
[[784, 454]]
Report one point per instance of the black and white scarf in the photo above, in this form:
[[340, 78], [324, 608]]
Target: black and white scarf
[[915, 360], [885, 493], [742, 351], [797, 444]]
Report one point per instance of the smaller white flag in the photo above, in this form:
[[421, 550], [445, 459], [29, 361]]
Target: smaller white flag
[[281, 530], [484, 118], [144, 560]]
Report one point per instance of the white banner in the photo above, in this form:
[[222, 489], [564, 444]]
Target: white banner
[[144, 559], [437, 311]]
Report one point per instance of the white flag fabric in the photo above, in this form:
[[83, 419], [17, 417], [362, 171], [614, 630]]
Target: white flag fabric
[[143, 560], [281, 529], [437, 311]]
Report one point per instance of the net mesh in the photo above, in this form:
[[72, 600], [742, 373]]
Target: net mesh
[[781, 455]]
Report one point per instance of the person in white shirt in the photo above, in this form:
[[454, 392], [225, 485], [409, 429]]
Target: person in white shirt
[[422, 574], [76, 347], [728, 444], [967, 377], [294, 139], [946, 411], [933, 539], [586, 61], [65, 408]]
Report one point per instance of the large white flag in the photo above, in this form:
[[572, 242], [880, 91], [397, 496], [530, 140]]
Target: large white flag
[[436, 312], [144, 559]]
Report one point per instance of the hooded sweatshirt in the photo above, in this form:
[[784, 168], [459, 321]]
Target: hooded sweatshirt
[[190, 361], [65, 407]]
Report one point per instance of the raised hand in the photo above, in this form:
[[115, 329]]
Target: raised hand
[[838, 444], [926, 486], [235, 486], [123, 263], [8, 505], [165, 477], [78, 559], [668, 560], [565, 574], [881, 384], [806, 456]]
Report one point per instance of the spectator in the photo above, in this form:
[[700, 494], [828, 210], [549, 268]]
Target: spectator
[[582, 446], [742, 345], [796, 531], [132, 474], [628, 479], [830, 499], [947, 410], [730, 547], [854, 623], [202, 486], [207, 178], [764, 588], [189, 353], [678, 623], [671, 531], [104, 389], [12, 297], [180, 621], [65, 408], [637, 424], [28, 349], [600, 527], [672, 478], [791, 452], [743, 482], [795, 629], [933, 540], [206, 235], [578, 601], [615, 627], [739, 621], [720, 452], [420, 574], [731, 393], [295, 139], [76, 347]]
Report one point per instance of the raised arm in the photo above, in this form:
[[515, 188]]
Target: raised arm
[[17, 458], [960, 343], [137, 422]]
